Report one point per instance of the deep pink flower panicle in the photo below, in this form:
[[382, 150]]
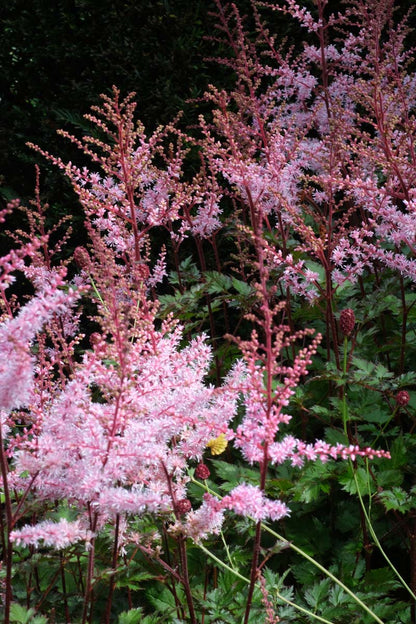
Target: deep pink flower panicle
[[249, 500]]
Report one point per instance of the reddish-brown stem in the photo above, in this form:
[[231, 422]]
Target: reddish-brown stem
[[51, 585], [404, 326], [185, 578], [9, 523], [15, 515], [87, 608], [179, 607], [64, 591], [267, 324], [107, 619], [149, 554], [412, 538], [219, 269], [256, 546], [322, 46], [130, 193], [183, 557]]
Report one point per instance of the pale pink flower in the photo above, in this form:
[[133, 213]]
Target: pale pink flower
[[48, 533], [204, 521], [16, 336], [249, 500]]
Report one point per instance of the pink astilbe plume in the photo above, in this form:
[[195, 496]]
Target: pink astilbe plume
[[140, 185], [57, 534], [129, 452], [322, 143], [136, 410], [248, 500], [17, 335], [266, 407]]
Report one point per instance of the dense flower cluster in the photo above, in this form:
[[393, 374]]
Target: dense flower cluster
[[128, 454], [347, 321], [113, 425]]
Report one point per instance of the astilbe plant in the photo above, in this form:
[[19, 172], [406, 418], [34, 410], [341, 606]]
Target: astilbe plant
[[113, 427], [113, 439], [323, 142], [318, 151]]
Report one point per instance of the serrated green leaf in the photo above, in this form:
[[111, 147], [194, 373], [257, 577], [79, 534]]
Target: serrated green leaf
[[315, 595], [134, 581], [242, 287], [396, 499], [390, 478], [354, 478], [22, 615], [162, 599], [398, 452], [133, 616], [216, 282], [337, 595]]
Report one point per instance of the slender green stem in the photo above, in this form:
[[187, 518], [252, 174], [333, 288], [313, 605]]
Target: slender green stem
[[222, 564], [97, 292], [324, 570], [246, 580], [227, 550], [303, 554], [363, 507], [302, 609], [376, 540]]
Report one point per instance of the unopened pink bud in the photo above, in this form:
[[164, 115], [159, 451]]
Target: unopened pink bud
[[347, 321], [402, 398], [183, 506], [202, 471], [81, 257], [95, 338], [140, 272]]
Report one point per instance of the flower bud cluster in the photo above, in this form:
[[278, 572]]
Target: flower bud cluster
[[402, 398], [347, 321]]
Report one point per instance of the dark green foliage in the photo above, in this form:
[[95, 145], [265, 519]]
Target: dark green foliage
[[57, 58]]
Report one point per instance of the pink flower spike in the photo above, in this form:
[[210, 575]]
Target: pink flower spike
[[249, 500], [57, 534]]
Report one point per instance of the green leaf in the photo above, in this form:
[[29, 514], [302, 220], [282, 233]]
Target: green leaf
[[337, 595], [317, 594], [398, 452], [217, 282], [134, 581], [163, 600], [242, 287], [397, 499], [358, 477], [389, 478], [21, 615], [133, 616]]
